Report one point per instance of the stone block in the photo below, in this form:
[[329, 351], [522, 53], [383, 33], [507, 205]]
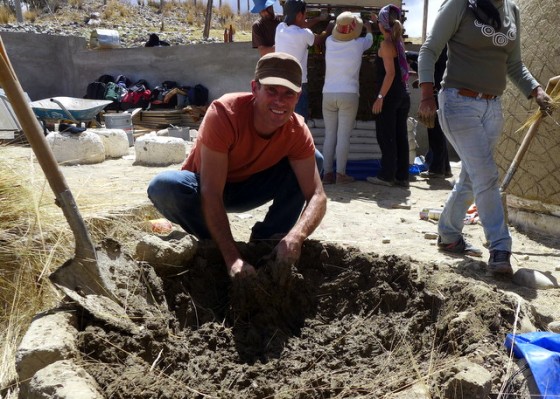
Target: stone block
[[76, 148], [115, 141], [154, 150], [472, 381], [63, 380], [50, 337]]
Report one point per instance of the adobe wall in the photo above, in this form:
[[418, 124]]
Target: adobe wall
[[49, 66]]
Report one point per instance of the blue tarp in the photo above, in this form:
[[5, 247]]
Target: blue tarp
[[541, 350]]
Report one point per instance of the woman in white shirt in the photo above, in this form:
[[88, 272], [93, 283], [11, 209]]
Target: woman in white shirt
[[343, 59]]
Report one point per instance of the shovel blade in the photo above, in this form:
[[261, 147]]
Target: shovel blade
[[83, 276]]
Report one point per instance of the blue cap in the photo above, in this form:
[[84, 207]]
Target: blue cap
[[261, 5]]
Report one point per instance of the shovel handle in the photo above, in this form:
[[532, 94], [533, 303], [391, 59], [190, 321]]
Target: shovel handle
[[520, 153], [552, 88], [34, 134]]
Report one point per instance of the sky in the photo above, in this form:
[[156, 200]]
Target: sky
[[415, 15]]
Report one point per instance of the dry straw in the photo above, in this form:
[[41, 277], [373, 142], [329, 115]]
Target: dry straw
[[553, 90], [25, 255]]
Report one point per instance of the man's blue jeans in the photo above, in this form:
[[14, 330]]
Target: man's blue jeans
[[176, 195], [473, 126]]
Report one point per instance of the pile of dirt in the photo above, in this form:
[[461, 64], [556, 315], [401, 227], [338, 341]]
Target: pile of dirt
[[340, 323]]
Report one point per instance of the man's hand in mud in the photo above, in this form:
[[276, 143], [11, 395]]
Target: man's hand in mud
[[241, 269], [279, 270], [288, 250], [427, 112]]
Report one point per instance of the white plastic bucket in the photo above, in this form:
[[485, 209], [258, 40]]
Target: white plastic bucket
[[121, 121]]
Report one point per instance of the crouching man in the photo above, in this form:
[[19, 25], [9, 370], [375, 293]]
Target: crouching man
[[251, 148]]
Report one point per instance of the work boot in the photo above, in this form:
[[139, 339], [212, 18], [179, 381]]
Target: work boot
[[460, 247], [499, 262]]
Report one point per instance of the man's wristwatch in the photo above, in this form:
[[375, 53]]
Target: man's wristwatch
[[380, 96]]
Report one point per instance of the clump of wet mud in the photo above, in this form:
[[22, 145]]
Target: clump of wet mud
[[339, 324]]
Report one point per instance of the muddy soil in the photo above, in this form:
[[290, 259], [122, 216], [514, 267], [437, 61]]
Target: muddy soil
[[339, 324]]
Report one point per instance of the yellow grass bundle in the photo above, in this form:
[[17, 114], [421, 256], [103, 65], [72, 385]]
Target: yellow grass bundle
[[553, 90]]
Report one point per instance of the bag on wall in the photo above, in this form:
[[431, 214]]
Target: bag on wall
[[198, 95], [96, 91], [114, 92], [123, 81], [136, 99], [106, 79], [139, 86]]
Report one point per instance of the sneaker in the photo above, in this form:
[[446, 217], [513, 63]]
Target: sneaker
[[499, 263], [328, 178], [402, 183], [378, 181], [343, 179], [460, 247]]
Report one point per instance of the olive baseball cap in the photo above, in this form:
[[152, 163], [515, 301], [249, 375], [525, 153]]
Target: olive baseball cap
[[280, 69]]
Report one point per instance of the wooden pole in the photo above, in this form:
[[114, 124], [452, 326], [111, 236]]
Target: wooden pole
[[19, 14], [425, 20], [208, 20]]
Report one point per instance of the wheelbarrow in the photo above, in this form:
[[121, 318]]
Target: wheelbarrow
[[77, 110]]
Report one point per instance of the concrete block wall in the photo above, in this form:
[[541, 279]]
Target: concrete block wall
[[49, 66]]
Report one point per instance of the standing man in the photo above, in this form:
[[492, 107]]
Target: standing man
[[293, 36], [264, 28], [251, 149]]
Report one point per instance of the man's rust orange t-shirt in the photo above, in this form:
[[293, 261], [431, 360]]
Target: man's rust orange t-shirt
[[228, 128]]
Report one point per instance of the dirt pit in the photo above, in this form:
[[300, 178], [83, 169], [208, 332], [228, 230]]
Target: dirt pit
[[339, 324]]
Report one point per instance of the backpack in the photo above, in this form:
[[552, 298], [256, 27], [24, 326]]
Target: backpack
[[106, 79], [198, 95], [96, 91], [114, 92], [123, 81], [169, 84], [136, 98], [139, 86]]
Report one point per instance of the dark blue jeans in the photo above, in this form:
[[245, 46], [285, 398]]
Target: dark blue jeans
[[176, 195]]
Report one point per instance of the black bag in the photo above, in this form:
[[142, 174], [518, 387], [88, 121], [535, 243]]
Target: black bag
[[154, 41], [198, 95], [96, 91], [169, 84], [106, 79]]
